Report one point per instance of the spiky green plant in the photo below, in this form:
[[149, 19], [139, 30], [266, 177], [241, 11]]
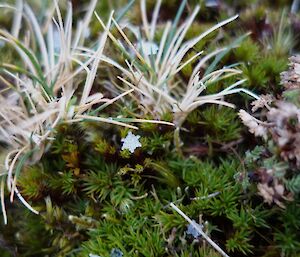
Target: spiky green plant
[[153, 67], [45, 89]]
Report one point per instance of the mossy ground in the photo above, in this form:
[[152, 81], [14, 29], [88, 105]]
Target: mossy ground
[[95, 198]]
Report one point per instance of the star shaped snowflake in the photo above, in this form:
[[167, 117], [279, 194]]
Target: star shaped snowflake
[[131, 142], [191, 230]]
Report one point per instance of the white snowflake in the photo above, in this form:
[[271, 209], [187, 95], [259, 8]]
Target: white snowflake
[[131, 142], [191, 230]]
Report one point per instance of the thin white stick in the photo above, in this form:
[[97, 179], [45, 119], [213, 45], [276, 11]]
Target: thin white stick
[[24, 201], [206, 197], [2, 201], [195, 225]]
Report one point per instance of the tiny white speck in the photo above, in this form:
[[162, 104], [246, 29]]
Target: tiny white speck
[[191, 230], [211, 3], [93, 255], [131, 142], [148, 48]]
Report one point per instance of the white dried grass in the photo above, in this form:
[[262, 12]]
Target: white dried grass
[[156, 88], [47, 85]]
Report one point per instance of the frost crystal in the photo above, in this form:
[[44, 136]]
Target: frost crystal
[[116, 253], [191, 230], [131, 142], [93, 255]]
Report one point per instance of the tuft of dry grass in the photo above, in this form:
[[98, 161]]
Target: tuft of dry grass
[[41, 93], [153, 67]]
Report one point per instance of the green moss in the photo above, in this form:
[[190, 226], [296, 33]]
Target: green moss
[[240, 241], [248, 51], [273, 66], [256, 76], [33, 182], [292, 96], [221, 123]]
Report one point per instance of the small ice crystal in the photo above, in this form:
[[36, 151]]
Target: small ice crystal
[[212, 3], [93, 255], [191, 230], [115, 252], [131, 142]]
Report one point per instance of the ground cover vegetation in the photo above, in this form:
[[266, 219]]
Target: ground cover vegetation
[[150, 128]]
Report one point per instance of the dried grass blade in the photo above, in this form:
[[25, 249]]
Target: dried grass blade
[[145, 19], [17, 19], [154, 19], [3, 200], [91, 76], [106, 120], [38, 36]]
